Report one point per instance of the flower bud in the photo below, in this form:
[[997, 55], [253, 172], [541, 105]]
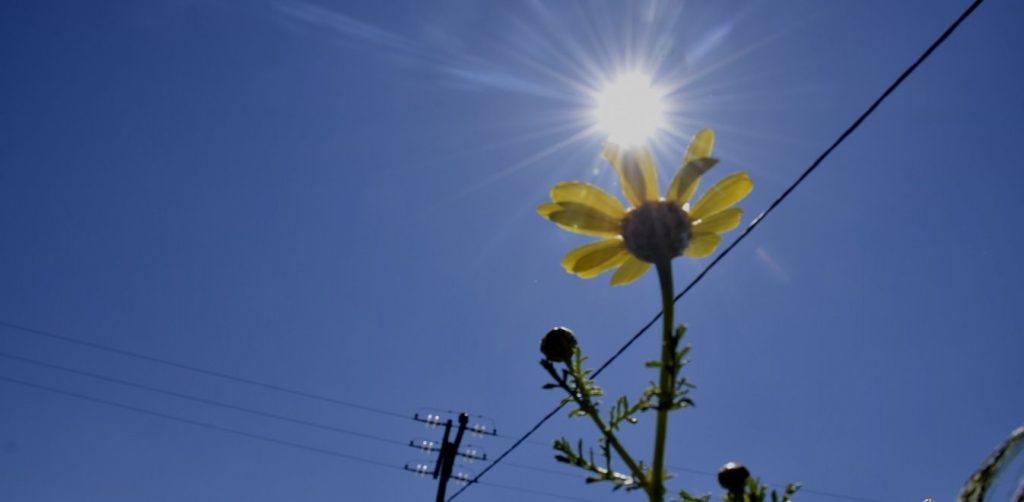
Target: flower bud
[[733, 477], [557, 346]]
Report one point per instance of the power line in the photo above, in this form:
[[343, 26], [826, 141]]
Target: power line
[[260, 437], [221, 404], [509, 450], [306, 423], [750, 228], [513, 438], [210, 402], [198, 423], [204, 371]]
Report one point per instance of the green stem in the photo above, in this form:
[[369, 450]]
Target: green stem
[[609, 436], [582, 398], [666, 382]]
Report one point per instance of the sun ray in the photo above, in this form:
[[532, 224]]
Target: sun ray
[[579, 136]]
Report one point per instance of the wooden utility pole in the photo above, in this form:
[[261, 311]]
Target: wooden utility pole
[[446, 458]]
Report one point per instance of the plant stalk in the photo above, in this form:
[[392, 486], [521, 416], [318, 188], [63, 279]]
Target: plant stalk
[[666, 382], [609, 436], [582, 398]]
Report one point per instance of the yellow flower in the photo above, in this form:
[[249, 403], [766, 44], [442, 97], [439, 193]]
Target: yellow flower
[[655, 229]]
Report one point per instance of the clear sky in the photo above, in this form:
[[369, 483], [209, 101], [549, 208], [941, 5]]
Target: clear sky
[[339, 197]]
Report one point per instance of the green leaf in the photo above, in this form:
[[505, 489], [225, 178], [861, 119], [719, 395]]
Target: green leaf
[[977, 486], [685, 496]]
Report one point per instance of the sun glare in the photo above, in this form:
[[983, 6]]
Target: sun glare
[[630, 110]]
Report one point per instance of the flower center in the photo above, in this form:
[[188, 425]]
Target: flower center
[[656, 232]]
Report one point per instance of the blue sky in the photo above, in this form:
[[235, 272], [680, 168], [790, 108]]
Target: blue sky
[[339, 198]]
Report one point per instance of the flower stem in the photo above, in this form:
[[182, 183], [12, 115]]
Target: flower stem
[[609, 436], [582, 397], [666, 382]]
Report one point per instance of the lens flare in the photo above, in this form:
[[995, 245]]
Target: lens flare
[[630, 110]]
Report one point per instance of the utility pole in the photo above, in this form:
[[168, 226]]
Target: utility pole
[[449, 450], [444, 467]]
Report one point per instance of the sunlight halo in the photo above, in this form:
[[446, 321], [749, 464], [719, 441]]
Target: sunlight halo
[[629, 109]]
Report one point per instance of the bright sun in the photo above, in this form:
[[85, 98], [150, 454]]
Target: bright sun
[[629, 109]]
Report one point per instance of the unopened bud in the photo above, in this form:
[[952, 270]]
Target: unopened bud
[[557, 346], [733, 477]]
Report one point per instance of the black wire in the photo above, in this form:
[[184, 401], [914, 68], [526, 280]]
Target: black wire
[[221, 404], [330, 428], [202, 400], [753, 224], [513, 438], [198, 423], [204, 371], [260, 437], [814, 165], [476, 479]]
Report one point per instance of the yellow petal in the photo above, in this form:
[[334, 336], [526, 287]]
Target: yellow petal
[[547, 208], [637, 174], [588, 195], [702, 244], [629, 271], [687, 179], [725, 193], [700, 146], [592, 259], [723, 221], [580, 219]]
